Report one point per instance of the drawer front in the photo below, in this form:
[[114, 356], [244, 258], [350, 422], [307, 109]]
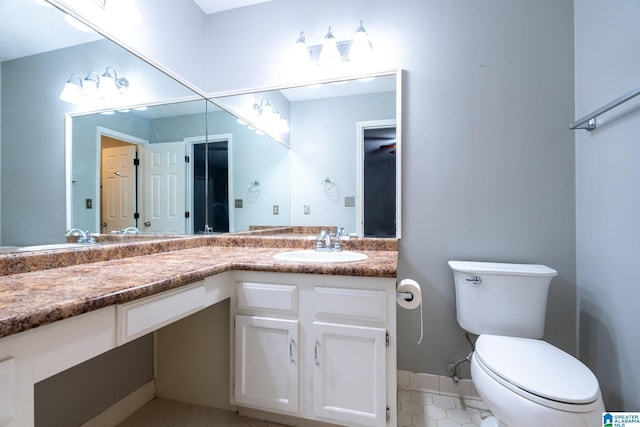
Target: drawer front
[[355, 304], [267, 297], [140, 317]]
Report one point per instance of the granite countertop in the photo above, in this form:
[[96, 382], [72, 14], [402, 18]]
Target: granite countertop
[[41, 288]]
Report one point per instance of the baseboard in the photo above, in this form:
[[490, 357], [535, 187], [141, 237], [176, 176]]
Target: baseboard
[[123, 408], [436, 384]]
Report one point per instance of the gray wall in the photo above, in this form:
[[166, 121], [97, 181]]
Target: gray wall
[[488, 166], [607, 43]]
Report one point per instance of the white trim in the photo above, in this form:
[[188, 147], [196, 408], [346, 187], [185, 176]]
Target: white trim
[[123, 408]]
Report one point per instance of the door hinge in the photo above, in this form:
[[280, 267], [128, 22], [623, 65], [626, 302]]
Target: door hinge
[[136, 215], [186, 159], [136, 162], [388, 414], [386, 339], [186, 214]]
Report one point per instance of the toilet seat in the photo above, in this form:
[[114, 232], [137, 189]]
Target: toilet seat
[[538, 371]]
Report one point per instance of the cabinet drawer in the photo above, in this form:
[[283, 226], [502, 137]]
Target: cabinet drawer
[[356, 304], [142, 316], [267, 297]]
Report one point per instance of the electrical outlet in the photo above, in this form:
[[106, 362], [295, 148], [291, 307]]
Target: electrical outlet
[[307, 209], [349, 201], [238, 203], [88, 203], [276, 209]]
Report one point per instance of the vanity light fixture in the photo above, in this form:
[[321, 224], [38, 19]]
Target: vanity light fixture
[[77, 90], [331, 51]]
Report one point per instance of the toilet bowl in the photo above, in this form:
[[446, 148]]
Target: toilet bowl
[[530, 383], [524, 381]]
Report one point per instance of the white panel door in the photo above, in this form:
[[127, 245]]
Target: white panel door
[[164, 188], [266, 363], [349, 375], [118, 188]]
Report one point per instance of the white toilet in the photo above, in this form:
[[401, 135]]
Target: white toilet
[[524, 381]]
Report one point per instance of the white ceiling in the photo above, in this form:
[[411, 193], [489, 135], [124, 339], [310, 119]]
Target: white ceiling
[[213, 6]]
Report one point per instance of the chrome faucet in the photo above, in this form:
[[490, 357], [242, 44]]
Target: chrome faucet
[[83, 236], [324, 240], [130, 230]]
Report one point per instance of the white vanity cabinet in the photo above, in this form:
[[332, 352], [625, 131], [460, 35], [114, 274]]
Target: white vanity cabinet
[[266, 346], [317, 347]]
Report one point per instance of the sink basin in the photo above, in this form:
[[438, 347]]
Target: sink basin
[[313, 256], [50, 247]]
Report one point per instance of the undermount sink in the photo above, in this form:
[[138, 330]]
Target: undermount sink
[[317, 256], [50, 247]]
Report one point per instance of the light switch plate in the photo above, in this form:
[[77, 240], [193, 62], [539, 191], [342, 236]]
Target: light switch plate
[[349, 201], [238, 203]]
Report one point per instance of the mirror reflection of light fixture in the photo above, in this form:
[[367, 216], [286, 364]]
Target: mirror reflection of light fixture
[[90, 84], [331, 51], [269, 117], [77, 90], [72, 89]]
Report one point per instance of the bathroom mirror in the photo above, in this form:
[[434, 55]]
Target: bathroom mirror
[[175, 168], [40, 50], [268, 187], [344, 137]]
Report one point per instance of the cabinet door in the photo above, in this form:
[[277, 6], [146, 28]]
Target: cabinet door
[[266, 363], [349, 376]]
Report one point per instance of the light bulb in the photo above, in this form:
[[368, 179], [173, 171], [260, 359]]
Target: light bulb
[[361, 46], [329, 55], [300, 52]]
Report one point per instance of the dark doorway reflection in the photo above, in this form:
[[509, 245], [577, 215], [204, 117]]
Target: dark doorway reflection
[[211, 187], [380, 182]]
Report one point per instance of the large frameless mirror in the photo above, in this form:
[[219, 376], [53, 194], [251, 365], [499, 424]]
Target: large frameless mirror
[[344, 138], [335, 162]]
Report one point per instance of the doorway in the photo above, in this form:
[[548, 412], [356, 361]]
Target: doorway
[[210, 180], [377, 178], [118, 184]]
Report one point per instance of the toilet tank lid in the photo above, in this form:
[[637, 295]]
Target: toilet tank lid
[[502, 268], [538, 368]]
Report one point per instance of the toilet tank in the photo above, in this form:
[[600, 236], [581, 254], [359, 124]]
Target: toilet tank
[[502, 299]]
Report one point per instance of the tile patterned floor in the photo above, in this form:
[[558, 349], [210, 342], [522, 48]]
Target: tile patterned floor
[[420, 409], [415, 409]]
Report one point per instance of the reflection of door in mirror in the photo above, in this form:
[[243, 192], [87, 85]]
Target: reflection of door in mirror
[[118, 184], [211, 183], [164, 188], [379, 178]]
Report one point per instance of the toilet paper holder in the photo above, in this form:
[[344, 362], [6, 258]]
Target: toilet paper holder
[[407, 296]]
